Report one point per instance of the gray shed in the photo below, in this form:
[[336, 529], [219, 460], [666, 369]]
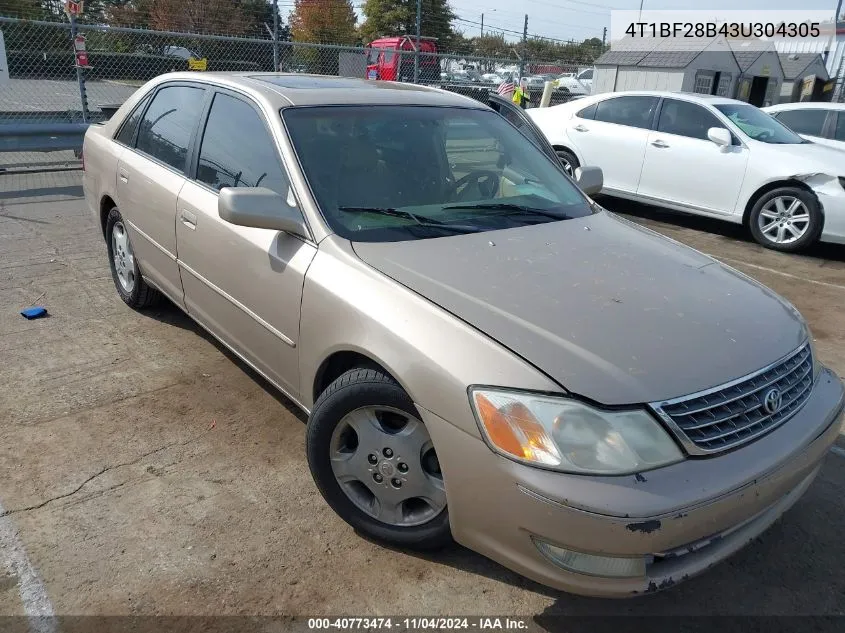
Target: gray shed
[[799, 68], [729, 69]]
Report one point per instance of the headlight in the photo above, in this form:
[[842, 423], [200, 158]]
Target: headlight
[[566, 435]]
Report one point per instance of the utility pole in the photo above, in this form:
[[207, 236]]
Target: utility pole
[[524, 41], [417, 51], [603, 39], [276, 36], [80, 78], [482, 25]]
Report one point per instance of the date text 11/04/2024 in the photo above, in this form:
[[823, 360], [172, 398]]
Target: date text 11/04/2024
[[418, 624], [783, 30]]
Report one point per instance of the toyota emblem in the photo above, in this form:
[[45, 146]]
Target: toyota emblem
[[772, 401]]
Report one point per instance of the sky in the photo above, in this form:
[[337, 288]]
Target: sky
[[581, 19]]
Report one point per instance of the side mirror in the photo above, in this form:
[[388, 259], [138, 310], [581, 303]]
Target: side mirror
[[260, 208], [590, 179], [720, 136]]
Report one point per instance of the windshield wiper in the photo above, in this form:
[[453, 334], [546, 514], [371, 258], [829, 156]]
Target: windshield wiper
[[420, 220], [511, 209]]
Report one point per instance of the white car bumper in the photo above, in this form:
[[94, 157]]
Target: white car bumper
[[832, 198]]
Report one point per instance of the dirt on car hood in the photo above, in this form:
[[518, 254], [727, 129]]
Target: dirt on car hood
[[610, 310]]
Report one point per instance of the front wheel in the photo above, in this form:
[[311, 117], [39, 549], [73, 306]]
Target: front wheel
[[374, 462], [786, 219]]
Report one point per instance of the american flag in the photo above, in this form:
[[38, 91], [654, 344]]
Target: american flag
[[505, 88]]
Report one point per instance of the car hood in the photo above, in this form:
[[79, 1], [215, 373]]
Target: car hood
[[805, 158], [610, 310]]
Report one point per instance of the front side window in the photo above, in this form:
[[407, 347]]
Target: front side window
[[237, 149], [808, 121], [685, 119], [631, 111], [166, 129], [758, 125], [391, 173]]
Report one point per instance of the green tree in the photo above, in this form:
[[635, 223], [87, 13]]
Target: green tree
[[386, 18], [324, 22]]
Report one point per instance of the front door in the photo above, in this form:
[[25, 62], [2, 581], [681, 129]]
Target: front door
[[244, 284], [684, 167]]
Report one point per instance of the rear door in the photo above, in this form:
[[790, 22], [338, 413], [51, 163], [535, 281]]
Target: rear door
[[612, 134], [150, 177], [684, 167], [243, 284]]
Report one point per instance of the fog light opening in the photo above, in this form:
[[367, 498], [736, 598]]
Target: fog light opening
[[591, 564]]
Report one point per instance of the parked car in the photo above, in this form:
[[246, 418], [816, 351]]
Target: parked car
[[585, 78], [572, 85], [818, 122], [671, 150], [482, 351]]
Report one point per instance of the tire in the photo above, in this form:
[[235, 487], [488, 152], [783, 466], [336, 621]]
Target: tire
[[568, 160], [136, 293], [780, 210], [353, 396]]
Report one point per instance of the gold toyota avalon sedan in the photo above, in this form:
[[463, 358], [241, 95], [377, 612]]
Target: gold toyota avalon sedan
[[484, 353]]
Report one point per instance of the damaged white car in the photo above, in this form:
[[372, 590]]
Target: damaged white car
[[708, 156]]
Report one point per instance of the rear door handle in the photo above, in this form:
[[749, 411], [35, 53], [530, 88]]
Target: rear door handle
[[188, 219], [581, 128], [123, 175], [659, 144]]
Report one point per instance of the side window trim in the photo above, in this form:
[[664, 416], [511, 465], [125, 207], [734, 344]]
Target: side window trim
[[192, 139]]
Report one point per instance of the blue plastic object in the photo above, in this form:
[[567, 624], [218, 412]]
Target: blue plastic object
[[36, 312]]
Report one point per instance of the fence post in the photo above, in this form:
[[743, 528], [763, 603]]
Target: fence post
[[275, 36], [417, 48], [80, 78], [522, 57]]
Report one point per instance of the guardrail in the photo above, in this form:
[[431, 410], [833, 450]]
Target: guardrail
[[47, 131]]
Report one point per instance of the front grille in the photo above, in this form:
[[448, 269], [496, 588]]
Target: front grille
[[735, 414]]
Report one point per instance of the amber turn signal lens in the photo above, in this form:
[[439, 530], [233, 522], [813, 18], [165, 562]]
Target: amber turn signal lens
[[514, 430]]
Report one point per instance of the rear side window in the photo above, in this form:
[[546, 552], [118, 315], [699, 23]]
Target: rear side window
[[587, 113], [631, 111], [237, 149], [126, 135], [685, 119], [166, 128], [809, 122]]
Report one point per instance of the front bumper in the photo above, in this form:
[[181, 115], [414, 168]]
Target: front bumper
[[831, 196], [687, 516]]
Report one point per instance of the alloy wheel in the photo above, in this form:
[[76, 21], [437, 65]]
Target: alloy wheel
[[784, 220]]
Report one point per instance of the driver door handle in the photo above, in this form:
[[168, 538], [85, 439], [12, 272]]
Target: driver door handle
[[581, 128], [659, 144], [188, 219]]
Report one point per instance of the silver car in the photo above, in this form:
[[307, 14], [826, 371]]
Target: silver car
[[483, 352]]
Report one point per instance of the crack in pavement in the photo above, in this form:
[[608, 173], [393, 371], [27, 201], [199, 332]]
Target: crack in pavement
[[100, 472]]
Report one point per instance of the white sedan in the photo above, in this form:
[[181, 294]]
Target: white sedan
[[708, 156], [820, 122]]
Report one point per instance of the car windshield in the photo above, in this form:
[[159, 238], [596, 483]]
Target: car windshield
[[759, 125], [392, 173]]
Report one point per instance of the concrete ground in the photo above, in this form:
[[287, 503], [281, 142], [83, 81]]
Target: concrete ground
[[146, 471]]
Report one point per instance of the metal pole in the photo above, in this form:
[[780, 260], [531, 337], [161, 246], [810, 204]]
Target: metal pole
[[524, 41], [80, 79], [603, 39], [640, 15], [482, 25], [417, 51], [276, 36]]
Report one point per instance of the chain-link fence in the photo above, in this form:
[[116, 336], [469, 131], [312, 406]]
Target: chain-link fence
[[46, 87]]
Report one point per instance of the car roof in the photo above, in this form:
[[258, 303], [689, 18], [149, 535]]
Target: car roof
[[806, 105], [293, 89]]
